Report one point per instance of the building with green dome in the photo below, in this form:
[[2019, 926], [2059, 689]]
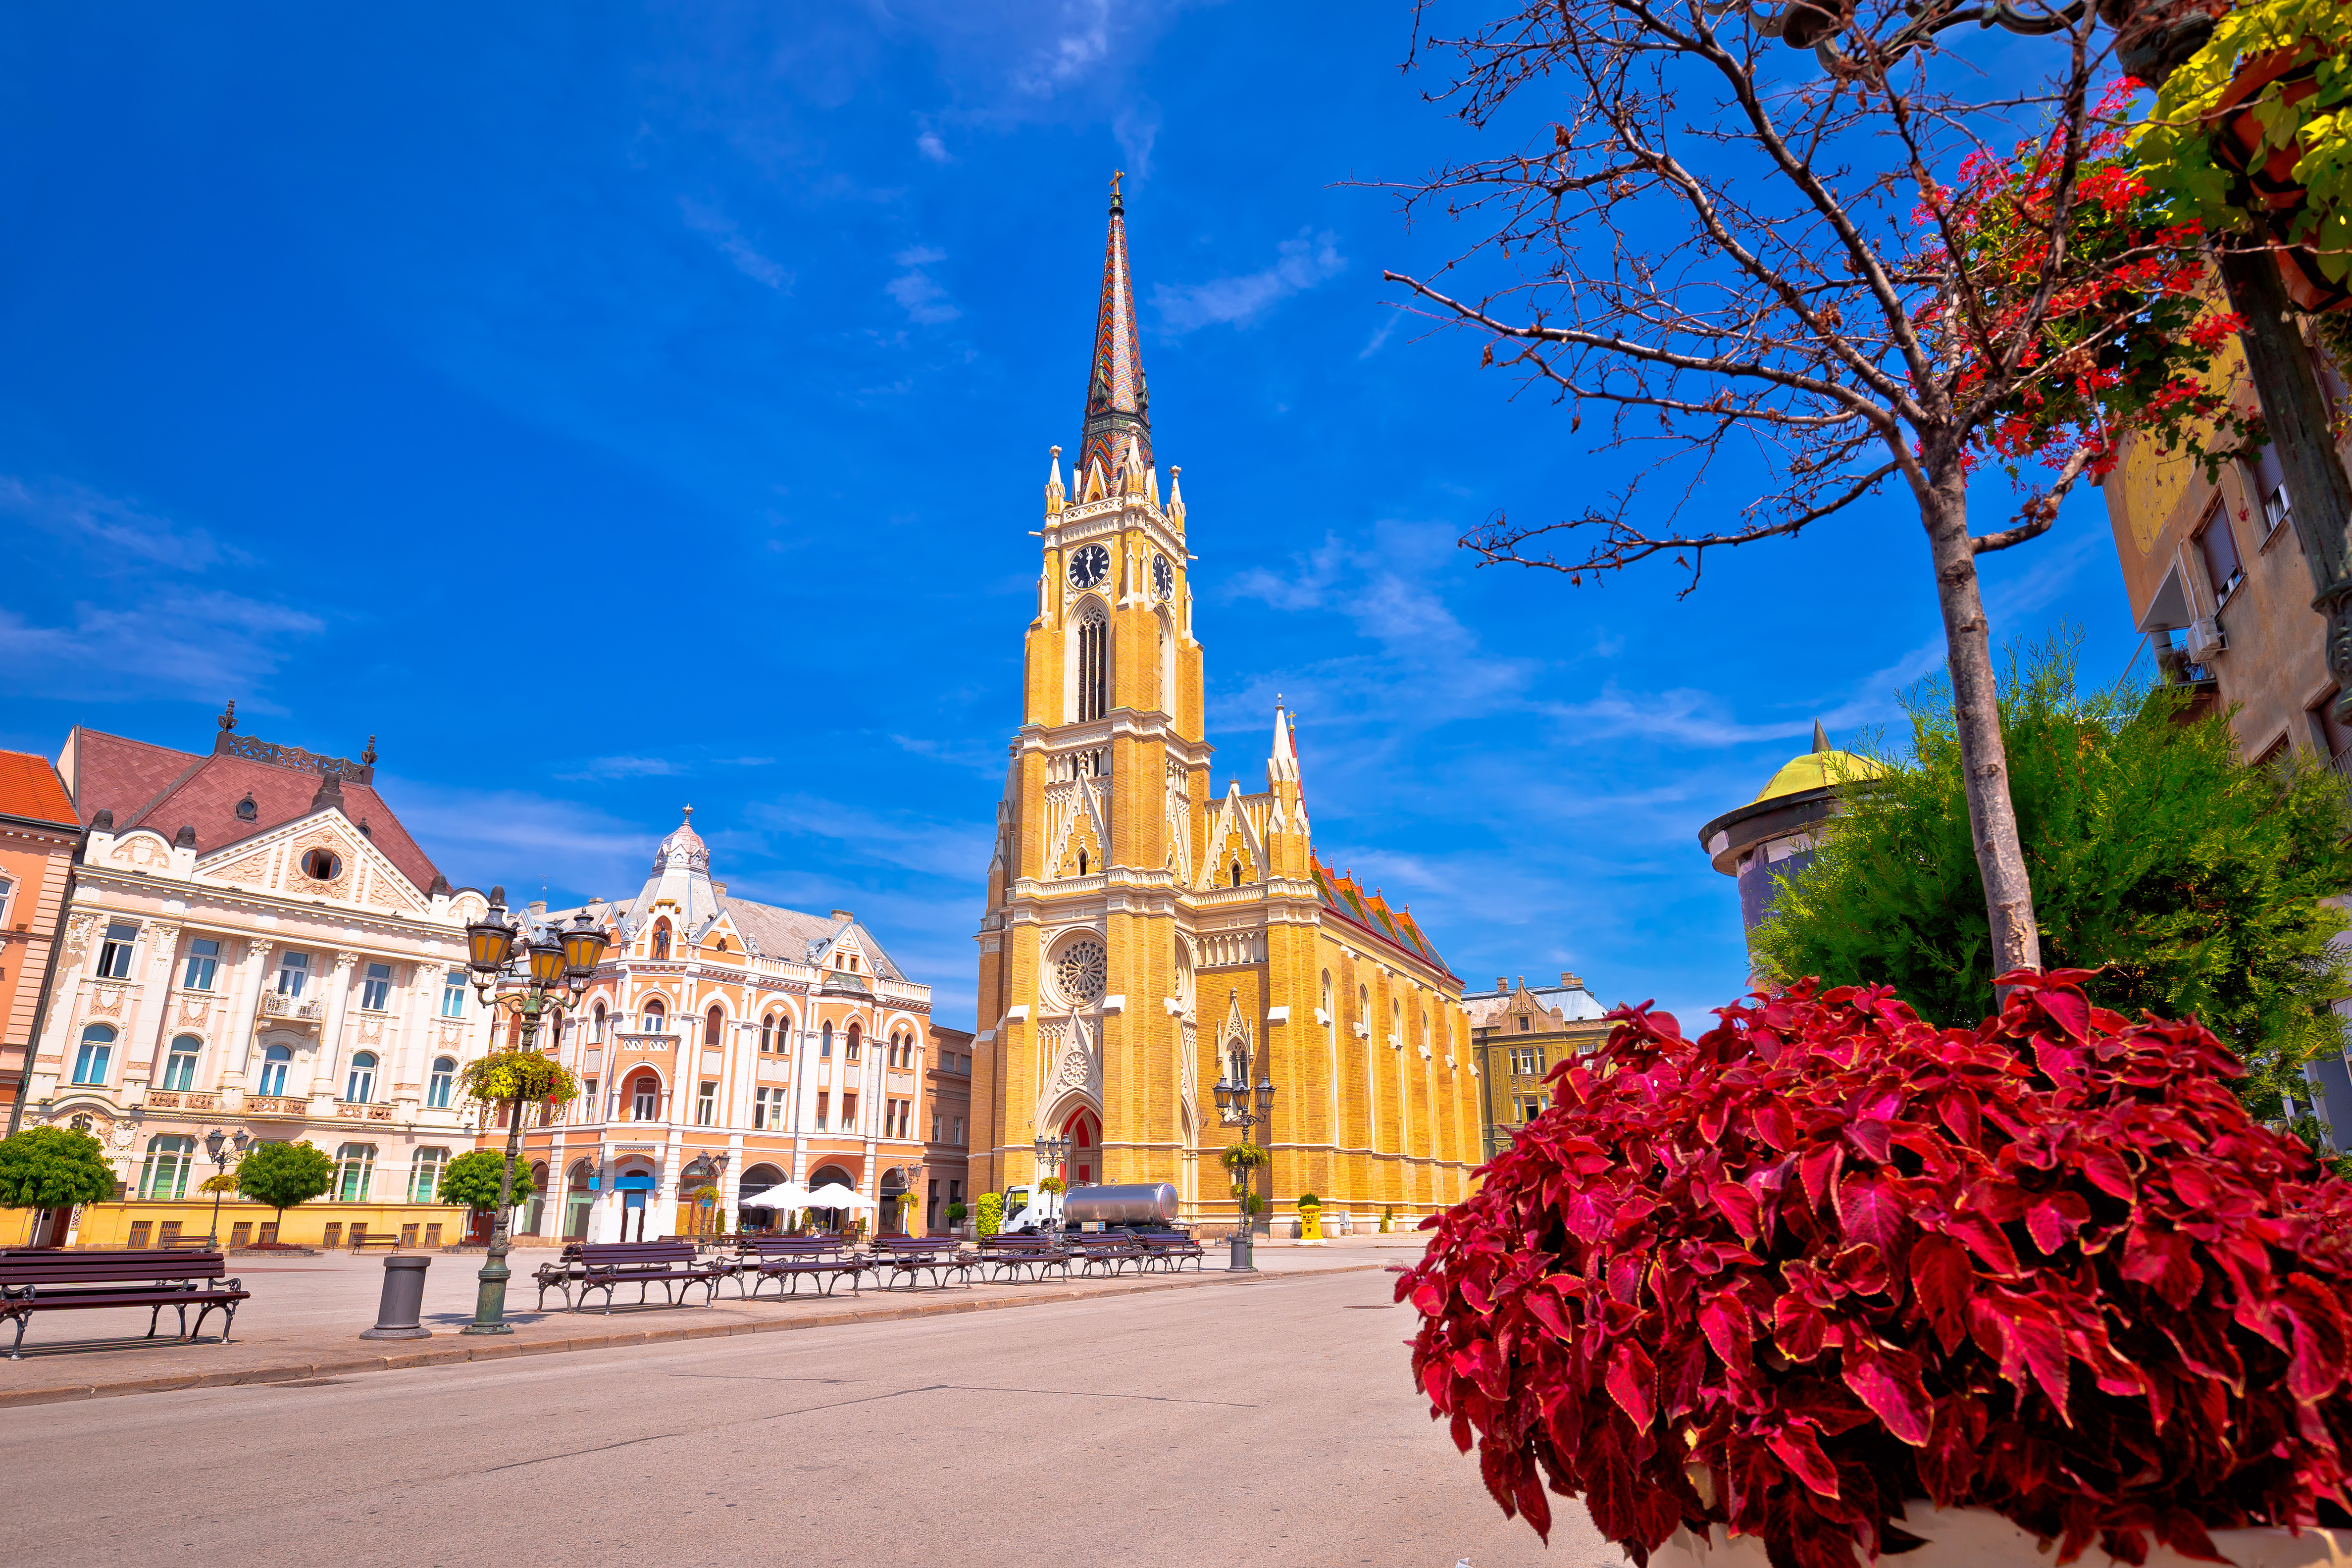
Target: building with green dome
[[1773, 836]]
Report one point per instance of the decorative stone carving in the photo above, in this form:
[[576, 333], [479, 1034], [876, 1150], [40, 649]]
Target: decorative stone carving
[[107, 1000], [1079, 974], [253, 871]]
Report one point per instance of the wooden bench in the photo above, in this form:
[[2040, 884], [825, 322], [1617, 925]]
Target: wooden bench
[[602, 1266], [788, 1259], [368, 1241], [906, 1257], [1109, 1250], [1006, 1256], [69, 1281], [1168, 1248]]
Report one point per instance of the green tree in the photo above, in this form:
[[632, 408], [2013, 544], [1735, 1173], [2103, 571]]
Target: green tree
[[472, 1179], [2193, 882], [54, 1167], [284, 1176]]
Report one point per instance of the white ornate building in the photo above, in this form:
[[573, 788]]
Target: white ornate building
[[254, 943]]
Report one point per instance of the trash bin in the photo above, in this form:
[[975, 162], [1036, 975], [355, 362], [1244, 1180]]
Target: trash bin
[[402, 1303]]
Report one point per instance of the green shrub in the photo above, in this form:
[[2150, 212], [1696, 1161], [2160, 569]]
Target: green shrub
[[992, 1212], [1308, 1200], [956, 1211]]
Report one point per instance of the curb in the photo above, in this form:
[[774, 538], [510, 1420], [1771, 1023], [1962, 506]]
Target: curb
[[502, 1350]]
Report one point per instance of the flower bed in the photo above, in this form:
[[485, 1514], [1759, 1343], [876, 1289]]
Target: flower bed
[[1826, 1258]]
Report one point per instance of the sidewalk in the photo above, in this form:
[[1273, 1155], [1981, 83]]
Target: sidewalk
[[307, 1314]]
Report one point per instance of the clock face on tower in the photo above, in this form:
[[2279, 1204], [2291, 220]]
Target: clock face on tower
[[1089, 565], [1163, 577]]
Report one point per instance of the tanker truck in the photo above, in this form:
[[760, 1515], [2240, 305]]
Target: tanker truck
[[1137, 1206]]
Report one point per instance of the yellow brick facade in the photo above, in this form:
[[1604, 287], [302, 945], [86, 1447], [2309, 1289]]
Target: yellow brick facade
[[1137, 924]]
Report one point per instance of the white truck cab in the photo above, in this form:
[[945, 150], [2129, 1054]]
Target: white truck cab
[[1024, 1215]]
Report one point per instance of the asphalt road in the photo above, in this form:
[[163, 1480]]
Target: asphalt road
[[1271, 1424]]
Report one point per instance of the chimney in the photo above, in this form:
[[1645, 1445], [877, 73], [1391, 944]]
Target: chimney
[[1571, 982], [1500, 984], [843, 915], [720, 888]]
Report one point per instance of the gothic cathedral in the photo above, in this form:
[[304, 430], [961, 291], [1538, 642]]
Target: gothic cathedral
[[1145, 938]]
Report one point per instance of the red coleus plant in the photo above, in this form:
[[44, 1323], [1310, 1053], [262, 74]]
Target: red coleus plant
[[1827, 1256]]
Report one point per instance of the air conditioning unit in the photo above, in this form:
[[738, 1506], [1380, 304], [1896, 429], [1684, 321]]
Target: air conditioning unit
[[2205, 638]]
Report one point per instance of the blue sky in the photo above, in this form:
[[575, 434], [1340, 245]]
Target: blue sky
[[613, 409]]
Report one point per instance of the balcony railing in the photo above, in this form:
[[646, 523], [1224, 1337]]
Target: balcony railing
[[644, 1041], [277, 1006], [277, 1104], [363, 1111], [181, 1100]]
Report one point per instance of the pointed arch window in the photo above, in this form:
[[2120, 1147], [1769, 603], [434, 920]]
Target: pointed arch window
[[657, 1015], [713, 1024], [768, 1034], [849, 1052], [1094, 663]]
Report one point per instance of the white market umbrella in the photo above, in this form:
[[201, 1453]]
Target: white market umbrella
[[834, 1195], [783, 1195]]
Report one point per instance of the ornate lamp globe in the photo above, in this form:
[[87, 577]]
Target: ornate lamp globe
[[547, 963], [489, 939], [584, 944]]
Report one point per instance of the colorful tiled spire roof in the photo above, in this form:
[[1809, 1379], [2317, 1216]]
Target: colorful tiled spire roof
[[1117, 406], [1345, 896]]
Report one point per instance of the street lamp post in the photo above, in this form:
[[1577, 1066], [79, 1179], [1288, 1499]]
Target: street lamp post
[[1051, 1152], [1239, 1106], [219, 1146], [551, 966]]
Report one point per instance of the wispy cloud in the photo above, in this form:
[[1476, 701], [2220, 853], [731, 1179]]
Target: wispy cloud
[[626, 768], [1380, 337], [1078, 43], [907, 839], [119, 531], [1135, 127], [916, 291], [727, 236], [929, 144], [1300, 263], [480, 837]]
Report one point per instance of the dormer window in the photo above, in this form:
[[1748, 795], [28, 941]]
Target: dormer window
[[247, 810]]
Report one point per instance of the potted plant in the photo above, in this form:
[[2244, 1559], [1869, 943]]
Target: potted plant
[[1310, 1218], [1828, 1278], [956, 1211]]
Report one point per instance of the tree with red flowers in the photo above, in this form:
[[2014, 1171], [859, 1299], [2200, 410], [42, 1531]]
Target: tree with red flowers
[[1814, 278]]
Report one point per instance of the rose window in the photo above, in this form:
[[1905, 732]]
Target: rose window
[[1079, 972]]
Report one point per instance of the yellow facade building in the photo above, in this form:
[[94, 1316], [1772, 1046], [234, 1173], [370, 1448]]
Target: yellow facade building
[[1143, 935]]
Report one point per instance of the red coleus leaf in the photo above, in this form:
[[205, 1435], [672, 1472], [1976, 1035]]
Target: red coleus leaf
[[1837, 1256]]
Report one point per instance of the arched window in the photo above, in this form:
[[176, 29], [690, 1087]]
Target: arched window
[[851, 1051], [661, 939], [1094, 663], [1396, 1020], [273, 1069], [361, 1084], [424, 1175], [437, 1089], [1082, 862], [783, 1034], [645, 1098], [1237, 873], [656, 1015], [165, 1174], [768, 1033], [96, 1050], [713, 1023], [825, 1041], [180, 1067], [354, 1171]]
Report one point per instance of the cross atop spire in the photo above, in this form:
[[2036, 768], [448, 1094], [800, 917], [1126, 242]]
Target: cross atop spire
[[1117, 406]]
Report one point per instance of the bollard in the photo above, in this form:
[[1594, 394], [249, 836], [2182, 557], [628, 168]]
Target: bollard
[[404, 1300]]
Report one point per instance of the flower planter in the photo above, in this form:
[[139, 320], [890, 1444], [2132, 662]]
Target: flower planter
[[2277, 194], [1979, 1538]]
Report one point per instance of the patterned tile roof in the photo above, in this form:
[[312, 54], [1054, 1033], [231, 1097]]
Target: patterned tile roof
[[30, 788], [160, 788], [1118, 405], [1344, 896]]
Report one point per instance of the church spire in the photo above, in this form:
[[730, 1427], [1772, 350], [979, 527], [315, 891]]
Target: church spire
[[1117, 406]]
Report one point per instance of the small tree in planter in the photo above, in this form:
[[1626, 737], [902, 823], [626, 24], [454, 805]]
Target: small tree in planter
[[54, 1167], [472, 1181], [1827, 1258], [284, 1177], [956, 1211]]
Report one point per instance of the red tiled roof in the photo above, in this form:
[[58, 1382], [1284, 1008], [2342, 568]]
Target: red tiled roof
[[30, 788], [1370, 912], [203, 792]]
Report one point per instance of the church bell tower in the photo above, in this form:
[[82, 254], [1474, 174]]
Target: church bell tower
[[1079, 948]]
